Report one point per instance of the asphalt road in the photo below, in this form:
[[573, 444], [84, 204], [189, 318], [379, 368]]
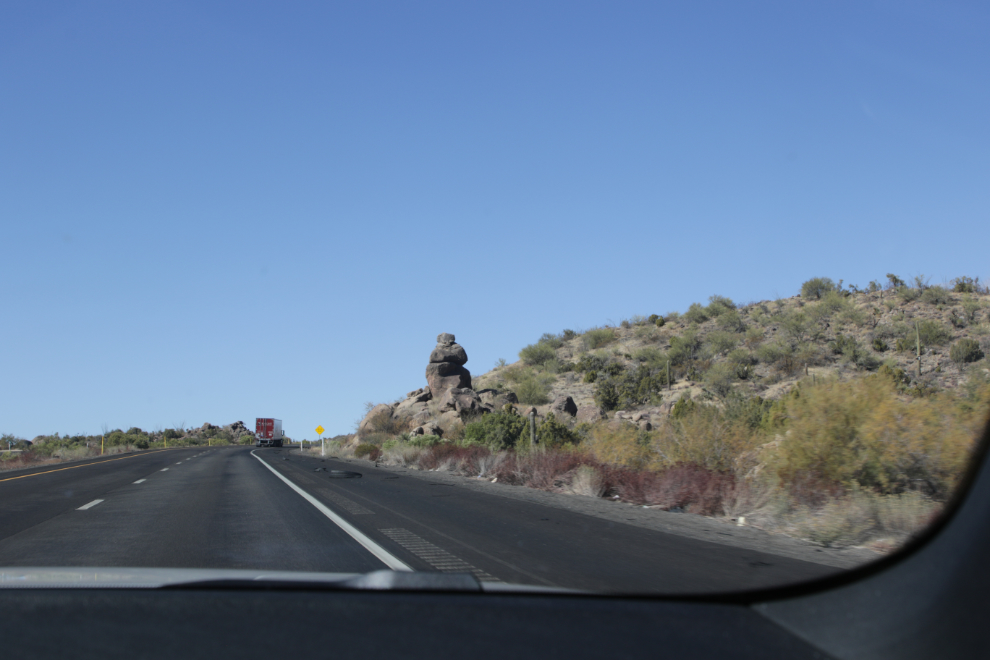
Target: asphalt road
[[270, 509]]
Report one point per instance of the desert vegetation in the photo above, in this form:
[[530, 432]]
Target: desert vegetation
[[842, 415], [18, 452]]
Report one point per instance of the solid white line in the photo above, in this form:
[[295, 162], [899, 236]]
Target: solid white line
[[392, 562], [140, 481], [89, 506], [164, 469]]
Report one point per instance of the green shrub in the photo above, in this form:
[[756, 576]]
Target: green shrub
[[590, 377], [718, 305], [598, 337], [851, 350], [854, 316], [936, 295], [933, 333], [741, 356], [753, 337], [613, 368], [894, 282], [721, 342], [557, 366], [841, 344], [655, 319], [424, 441], [591, 362], [630, 389], [537, 354], [966, 284], [550, 339], [684, 347], [568, 335], [731, 321], [552, 433], [534, 390], [794, 324], [907, 294], [696, 313], [879, 345], [817, 287], [895, 374], [970, 309], [369, 450], [965, 350], [497, 430], [720, 378], [606, 395], [683, 407], [651, 355]]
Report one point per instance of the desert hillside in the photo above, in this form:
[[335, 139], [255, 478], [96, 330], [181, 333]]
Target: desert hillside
[[839, 415], [721, 349]]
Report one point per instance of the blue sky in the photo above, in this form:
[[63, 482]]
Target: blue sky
[[218, 211]]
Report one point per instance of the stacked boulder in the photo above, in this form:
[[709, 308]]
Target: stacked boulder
[[446, 368]]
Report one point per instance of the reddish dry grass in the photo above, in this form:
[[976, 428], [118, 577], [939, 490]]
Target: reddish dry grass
[[688, 487], [466, 458]]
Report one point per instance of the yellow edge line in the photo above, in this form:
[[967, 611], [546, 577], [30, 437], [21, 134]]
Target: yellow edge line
[[109, 460]]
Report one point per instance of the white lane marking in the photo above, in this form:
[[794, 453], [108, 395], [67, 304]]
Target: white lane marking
[[434, 555], [164, 469], [89, 506], [179, 463], [392, 562], [140, 481]]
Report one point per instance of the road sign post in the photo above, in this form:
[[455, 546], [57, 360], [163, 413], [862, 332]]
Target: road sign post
[[323, 446]]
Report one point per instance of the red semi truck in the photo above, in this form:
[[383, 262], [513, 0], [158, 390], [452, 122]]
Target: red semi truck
[[268, 431]]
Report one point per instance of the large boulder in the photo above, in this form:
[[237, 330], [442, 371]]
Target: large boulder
[[442, 376], [381, 409], [420, 395], [496, 400], [410, 408], [454, 353], [563, 405], [430, 428], [461, 399]]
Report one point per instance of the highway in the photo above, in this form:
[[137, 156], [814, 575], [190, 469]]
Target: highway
[[272, 509]]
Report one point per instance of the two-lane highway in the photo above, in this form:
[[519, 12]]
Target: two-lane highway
[[273, 509]]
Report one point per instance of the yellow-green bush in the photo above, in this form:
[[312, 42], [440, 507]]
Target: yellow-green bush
[[864, 432]]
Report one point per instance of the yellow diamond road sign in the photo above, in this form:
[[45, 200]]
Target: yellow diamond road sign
[[319, 430]]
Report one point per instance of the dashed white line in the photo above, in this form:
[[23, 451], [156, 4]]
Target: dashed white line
[[89, 506], [140, 481], [164, 469], [179, 463]]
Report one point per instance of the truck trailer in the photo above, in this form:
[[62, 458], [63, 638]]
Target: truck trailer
[[268, 431]]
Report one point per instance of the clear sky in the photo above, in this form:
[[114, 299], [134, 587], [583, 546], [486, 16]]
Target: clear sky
[[219, 211]]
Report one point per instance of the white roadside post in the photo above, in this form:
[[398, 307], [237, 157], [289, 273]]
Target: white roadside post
[[323, 446]]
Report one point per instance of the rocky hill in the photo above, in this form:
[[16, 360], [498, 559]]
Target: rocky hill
[[924, 337]]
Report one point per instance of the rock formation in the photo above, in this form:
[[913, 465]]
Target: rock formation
[[446, 368]]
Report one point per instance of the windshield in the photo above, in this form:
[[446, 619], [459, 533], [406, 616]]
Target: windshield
[[620, 298]]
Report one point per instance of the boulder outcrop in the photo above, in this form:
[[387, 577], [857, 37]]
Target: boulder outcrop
[[462, 400], [446, 368], [563, 405]]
